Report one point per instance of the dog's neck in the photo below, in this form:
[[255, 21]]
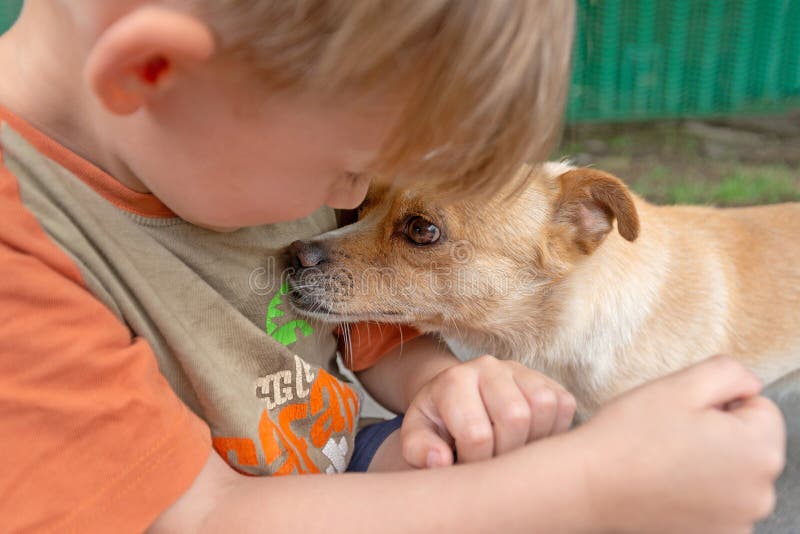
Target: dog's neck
[[607, 300], [582, 329]]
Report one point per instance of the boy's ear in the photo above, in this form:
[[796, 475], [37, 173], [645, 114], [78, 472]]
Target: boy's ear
[[134, 59], [589, 201]]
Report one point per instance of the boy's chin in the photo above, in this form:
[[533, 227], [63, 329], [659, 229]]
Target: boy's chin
[[225, 224], [214, 228], [220, 229]]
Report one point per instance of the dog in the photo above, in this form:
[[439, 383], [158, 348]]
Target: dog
[[573, 275]]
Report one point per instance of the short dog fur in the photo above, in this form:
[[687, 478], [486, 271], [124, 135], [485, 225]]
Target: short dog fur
[[574, 275]]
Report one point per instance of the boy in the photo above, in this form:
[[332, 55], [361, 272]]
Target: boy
[[135, 286]]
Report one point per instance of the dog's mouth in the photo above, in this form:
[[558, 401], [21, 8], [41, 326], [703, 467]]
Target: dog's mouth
[[311, 302]]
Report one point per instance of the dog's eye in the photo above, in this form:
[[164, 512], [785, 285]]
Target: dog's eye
[[422, 231]]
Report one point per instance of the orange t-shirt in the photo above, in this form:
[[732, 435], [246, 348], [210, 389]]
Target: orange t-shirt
[[94, 439], [365, 343]]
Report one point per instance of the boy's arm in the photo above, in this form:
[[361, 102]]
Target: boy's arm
[[537, 490], [617, 473]]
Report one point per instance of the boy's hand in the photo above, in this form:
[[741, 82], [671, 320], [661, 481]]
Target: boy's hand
[[697, 451], [483, 408]]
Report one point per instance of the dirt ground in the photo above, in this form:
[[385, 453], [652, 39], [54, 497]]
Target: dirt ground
[[726, 162]]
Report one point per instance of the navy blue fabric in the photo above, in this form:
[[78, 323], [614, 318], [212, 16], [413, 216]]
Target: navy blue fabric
[[368, 441]]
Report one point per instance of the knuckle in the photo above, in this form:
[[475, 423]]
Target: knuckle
[[476, 435], [453, 377], [774, 412], [775, 461], [727, 365], [515, 415], [764, 505], [568, 404], [770, 418], [518, 366], [486, 359], [408, 428], [545, 399], [411, 448], [410, 436]]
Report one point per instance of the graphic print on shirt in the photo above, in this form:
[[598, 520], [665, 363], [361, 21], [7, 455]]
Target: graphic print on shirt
[[303, 396], [330, 408], [285, 334]]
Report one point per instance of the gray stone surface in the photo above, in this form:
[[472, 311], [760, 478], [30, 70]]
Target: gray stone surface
[[786, 519]]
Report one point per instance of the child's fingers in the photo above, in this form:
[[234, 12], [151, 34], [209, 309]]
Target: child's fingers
[[566, 412], [464, 415], [508, 410], [766, 422], [423, 444], [717, 381], [764, 440], [552, 407], [545, 411]]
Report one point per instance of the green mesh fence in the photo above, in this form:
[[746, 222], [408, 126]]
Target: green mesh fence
[[649, 59]]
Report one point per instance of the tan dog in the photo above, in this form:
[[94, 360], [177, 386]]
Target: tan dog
[[542, 278]]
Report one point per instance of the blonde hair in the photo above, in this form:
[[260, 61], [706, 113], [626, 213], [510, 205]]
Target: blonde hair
[[488, 77]]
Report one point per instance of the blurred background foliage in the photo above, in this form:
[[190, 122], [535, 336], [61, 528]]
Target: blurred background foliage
[[688, 101]]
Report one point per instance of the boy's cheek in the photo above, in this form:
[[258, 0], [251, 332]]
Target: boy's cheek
[[234, 206]]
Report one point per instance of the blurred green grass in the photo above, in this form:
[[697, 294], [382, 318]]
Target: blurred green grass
[[744, 185], [696, 163], [757, 185]]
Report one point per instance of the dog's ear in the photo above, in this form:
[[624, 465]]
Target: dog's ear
[[589, 201]]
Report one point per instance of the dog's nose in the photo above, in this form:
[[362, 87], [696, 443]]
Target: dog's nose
[[306, 254]]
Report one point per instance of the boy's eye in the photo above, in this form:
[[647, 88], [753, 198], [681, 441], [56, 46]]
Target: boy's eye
[[422, 232]]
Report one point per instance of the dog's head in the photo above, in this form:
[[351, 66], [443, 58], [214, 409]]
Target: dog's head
[[412, 259]]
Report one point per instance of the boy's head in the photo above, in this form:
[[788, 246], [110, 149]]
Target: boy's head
[[243, 112]]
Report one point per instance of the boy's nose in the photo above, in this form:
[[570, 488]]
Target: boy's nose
[[306, 254]]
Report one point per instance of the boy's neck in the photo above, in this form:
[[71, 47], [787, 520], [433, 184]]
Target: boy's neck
[[41, 81]]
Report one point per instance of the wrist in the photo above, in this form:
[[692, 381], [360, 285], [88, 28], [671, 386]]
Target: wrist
[[564, 490], [598, 494], [425, 370]]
